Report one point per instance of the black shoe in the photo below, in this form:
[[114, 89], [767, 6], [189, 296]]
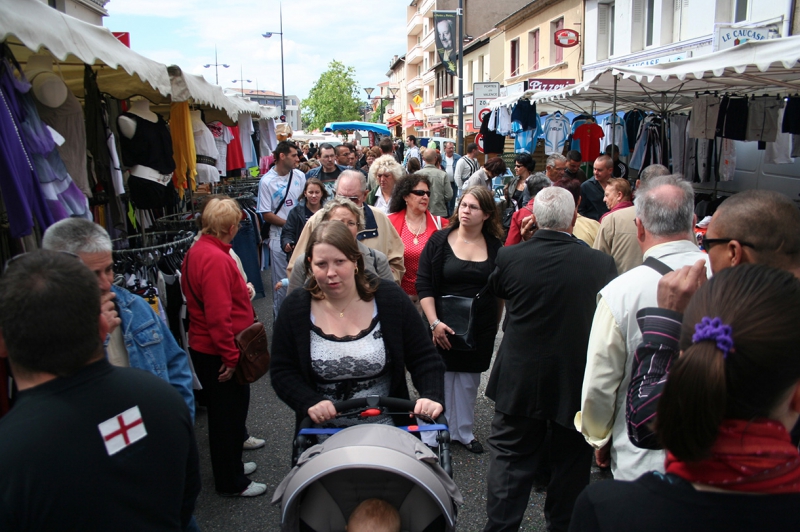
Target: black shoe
[[474, 447]]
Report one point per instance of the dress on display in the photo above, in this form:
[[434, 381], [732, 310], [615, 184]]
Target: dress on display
[[205, 150], [151, 147]]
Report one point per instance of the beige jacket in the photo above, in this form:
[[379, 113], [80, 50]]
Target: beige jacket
[[617, 237], [441, 191], [585, 229], [387, 242]]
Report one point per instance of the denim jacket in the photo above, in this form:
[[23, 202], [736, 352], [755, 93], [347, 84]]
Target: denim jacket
[[151, 346]]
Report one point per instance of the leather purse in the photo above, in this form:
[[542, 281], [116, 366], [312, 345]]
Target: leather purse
[[252, 344], [459, 313]]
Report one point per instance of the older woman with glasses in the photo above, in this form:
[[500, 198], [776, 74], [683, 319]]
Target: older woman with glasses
[[387, 172], [345, 211], [415, 225]]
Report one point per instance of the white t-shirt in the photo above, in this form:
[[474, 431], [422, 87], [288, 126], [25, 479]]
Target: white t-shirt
[[449, 167], [272, 189]]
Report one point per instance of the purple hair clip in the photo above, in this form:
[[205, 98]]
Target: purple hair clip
[[714, 330]]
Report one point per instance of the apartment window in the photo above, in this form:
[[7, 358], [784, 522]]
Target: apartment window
[[605, 30], [558, 56], [425, 62], [470, 74], [480, 68], [740, 10], [426, 96], [533, 50], [651, 7], [419, 70], [514, 58]]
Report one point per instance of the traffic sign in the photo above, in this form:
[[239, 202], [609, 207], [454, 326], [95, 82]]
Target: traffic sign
[[483, 112], [479, 142], [488, 89], [480, 108], [417, 99]]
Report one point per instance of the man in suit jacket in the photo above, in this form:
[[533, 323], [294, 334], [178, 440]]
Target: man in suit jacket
[[550, 284]]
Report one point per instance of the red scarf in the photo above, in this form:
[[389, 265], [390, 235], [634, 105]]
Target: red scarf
[[753, 456], [619, 206]]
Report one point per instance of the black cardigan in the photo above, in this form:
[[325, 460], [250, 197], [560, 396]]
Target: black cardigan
[[295, 222], [405, 336], [430, 272]]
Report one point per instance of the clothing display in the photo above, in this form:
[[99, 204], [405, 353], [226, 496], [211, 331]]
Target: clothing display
[[762, 118], [618, 132], [268, 141], [245, 134], [589, 136], [525, 115], [148, 155], [678, 124], [705, 112], [235, 160], [578, 121], [633, 120], [791, 117], [780, 151], [206, 151], [556, 130], [222, 137], [492, 141], [732, 120]]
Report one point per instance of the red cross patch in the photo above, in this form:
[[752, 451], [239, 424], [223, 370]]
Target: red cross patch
[[122, 430]]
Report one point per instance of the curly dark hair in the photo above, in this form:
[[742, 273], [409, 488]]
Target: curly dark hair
[[403, 188]]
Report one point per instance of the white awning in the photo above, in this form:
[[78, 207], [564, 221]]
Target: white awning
[[31, 26]]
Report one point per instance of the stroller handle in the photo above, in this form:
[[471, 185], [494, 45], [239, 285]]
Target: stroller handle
[[373, 401], [301, 442]]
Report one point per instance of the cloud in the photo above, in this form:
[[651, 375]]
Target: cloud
[[364, 35]]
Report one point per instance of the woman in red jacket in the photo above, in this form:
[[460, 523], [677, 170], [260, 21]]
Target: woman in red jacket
[[219, 307], [415, 225]]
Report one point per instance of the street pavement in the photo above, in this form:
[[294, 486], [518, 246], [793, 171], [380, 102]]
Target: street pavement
[[269, 418]]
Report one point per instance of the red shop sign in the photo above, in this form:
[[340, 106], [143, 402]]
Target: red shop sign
[[566, 38]]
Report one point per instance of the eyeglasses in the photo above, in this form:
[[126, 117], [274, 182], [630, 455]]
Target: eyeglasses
[[16, 257], [354, 199], [468, 207], [421, 193], [709, 242]]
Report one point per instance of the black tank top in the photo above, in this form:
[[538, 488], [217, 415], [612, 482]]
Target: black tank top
[[150, 146]]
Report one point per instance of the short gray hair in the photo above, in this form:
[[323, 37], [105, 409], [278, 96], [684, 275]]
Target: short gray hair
[[76, 235], [665, 206], [554, 208], [654, 170], [354, 174], [537, 182], [335, 203], [445, 143], [553, 159]]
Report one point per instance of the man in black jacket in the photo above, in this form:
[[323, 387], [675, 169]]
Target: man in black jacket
[[87, 446], [550, 285]]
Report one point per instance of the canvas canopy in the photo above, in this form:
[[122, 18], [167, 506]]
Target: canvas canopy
[[358, 126], [29, 27], [767, 67]]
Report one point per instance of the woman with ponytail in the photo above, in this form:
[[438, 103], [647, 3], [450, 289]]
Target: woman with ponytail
[[724, 418]]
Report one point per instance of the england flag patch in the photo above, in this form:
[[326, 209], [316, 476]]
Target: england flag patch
[[122, 430]]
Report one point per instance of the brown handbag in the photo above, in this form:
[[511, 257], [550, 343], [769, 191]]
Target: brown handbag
[[252, 344]]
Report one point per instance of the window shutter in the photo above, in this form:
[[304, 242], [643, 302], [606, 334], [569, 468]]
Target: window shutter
[[602, 31]]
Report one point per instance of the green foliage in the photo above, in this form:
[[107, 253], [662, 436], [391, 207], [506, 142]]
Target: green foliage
[[333, 98]]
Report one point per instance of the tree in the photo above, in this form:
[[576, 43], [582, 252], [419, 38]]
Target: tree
[[333, 98]]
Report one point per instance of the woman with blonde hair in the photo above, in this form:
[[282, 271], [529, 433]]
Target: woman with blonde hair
[[386, 172], [219, 307]]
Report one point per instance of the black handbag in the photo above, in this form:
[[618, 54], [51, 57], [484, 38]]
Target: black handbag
[[460, 314]]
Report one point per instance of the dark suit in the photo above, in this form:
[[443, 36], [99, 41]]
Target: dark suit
[[550, 285]]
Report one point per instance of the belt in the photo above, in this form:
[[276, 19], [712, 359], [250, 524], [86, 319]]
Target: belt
[[205, 159], [145, 172]]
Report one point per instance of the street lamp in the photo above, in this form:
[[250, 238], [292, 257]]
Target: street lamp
[[241, 80], [392, 91], [216, 64], [267, 35]]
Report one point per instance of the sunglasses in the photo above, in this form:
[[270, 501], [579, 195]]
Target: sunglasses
[[708, 243], [421, 193]]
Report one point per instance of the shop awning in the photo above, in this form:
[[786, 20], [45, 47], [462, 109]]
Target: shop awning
[[358, 126], [414, 123], [29, 27], [395, 120]]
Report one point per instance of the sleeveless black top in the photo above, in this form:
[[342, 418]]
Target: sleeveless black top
[[150, 146]]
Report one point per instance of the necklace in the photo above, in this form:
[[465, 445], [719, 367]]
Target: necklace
[[416, 234], [464, 239], [341, 312]]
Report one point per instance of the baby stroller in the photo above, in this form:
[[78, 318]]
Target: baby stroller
[[367, 461]]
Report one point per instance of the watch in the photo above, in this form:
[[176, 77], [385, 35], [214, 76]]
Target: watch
[[434, 324]]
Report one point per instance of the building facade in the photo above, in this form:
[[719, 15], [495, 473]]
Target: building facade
[[273, 99], [91, 11]]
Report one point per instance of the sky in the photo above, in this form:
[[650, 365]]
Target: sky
[[359, 33]]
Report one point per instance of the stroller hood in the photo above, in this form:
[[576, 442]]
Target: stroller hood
[[362, 462]]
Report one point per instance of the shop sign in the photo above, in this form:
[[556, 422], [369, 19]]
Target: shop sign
[[566, 38], [467, 100], [659, 60], [549, 84], [489, 89], [514, 88], [390, 111], [435, 119], [448, 106], [728, 36]]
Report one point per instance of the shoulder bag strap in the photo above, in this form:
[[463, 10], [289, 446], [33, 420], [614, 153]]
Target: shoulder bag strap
[[657, 265], [189, 285], [288, 186]]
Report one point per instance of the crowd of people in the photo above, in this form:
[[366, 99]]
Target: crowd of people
[[625, 342]]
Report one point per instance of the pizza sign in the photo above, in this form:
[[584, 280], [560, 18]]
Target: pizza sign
[[566, 38]]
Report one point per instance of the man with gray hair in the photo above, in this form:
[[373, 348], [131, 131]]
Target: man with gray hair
[[378, 232], [142, 340], [617, 234], [549, 284], [664, 222], [555, 166], [441, 191]]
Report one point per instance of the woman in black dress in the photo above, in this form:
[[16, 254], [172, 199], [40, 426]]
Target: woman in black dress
[[458, 261]]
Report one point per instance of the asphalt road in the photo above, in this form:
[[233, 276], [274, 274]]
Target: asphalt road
[[269, 418]]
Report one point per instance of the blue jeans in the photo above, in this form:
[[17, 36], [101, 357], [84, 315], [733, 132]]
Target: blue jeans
[[452, 204], [244, 246]]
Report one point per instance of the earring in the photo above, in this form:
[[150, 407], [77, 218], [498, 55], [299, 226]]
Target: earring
[[356, 269]]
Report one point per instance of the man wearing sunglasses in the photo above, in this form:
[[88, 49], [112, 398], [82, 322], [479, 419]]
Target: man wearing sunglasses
[[142, 340], [378, 232], [755, 226]]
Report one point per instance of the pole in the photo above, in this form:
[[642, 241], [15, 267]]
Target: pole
[[614, 119], [460, 139], [216, 65], [283, 87], [241, 80]]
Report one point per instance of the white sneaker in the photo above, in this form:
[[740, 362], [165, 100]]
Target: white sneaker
[[250, 467], [254, 489], [252, 443]]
